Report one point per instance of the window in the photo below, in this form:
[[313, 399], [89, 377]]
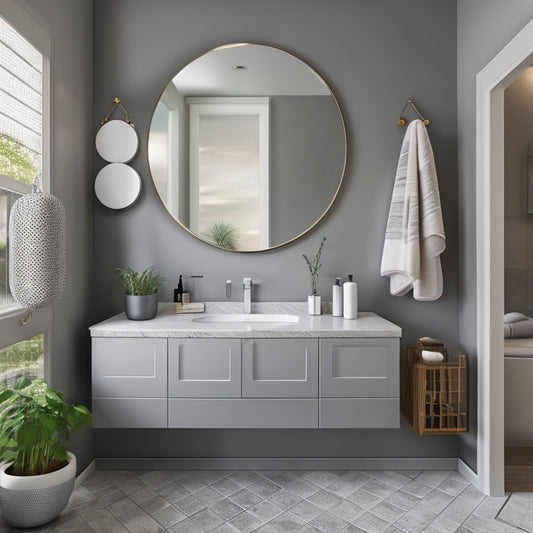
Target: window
[[24, 358], [24, 148], [21, 125]]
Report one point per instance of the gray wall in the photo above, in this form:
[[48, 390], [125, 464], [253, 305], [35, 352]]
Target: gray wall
[[70, 25], [307, 157], [484, 27], [518, 224], [375, 55]]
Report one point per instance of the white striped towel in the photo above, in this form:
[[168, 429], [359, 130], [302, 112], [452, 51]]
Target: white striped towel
[[414, 238]]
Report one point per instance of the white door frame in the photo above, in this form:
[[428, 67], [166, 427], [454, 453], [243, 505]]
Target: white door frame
[[490, 85]]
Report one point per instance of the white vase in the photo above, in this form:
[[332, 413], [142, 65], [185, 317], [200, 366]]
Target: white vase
[[30, 501], [314, 304]]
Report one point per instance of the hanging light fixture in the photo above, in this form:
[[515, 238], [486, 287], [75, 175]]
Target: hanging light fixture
[[37, 250]]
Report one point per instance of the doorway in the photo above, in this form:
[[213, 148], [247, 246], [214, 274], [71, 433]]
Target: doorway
[[518, 282], [491, 83]]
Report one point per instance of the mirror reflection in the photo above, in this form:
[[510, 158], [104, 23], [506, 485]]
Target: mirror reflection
[[247, 147]]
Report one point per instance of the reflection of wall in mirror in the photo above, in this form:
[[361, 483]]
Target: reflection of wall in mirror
[[307, 159]]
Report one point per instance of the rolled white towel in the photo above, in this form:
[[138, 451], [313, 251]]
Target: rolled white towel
[[432, 357], [511, 318], [517, 330]]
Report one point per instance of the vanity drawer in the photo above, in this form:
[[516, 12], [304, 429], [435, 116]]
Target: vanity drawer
[[129, 412], [204, 368], [129, 367], [242, 413], [279, 368], [359, 412], [355, 368]]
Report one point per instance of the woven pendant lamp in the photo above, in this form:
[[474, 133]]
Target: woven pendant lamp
[[37, 249]]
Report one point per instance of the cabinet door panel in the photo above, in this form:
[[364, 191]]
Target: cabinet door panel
[[359, 412], [280, 368], [204, 367], [129, 412], [360, 368], [129, 368], [242, 413]]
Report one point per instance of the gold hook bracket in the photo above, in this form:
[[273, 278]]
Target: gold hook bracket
[[410, 102], [118, 102]]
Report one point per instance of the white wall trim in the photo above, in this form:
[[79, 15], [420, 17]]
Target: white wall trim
[[467, 472], [490, 85], [86, 473], [277, 463]]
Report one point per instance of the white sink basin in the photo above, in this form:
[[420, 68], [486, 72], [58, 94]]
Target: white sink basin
[[254, 318]]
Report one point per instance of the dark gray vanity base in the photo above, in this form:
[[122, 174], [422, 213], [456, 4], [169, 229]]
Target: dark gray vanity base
[[277, 463]]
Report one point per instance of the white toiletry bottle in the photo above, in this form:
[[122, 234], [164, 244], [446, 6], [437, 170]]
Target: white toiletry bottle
[[350, 298], [337, 298]]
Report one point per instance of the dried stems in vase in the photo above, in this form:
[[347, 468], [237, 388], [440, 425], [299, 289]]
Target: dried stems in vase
[[314, 267]]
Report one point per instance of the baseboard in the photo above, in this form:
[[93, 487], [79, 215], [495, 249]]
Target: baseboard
[[84, 474], [275, 463], [468, 473]]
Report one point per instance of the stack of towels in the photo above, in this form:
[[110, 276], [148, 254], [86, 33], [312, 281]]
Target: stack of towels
[[517, 326]]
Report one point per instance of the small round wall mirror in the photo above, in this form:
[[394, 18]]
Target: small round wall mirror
[[247, 147], [117, 185], [117, 142]]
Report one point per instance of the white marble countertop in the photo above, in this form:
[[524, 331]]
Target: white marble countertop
[[169, 324]]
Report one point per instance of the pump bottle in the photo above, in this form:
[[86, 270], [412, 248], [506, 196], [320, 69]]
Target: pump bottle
[[350, 298]]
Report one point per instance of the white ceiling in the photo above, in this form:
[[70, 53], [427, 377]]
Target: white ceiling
[[269, 71]]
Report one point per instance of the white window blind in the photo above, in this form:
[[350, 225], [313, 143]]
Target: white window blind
[[21, 104], [21, 131]]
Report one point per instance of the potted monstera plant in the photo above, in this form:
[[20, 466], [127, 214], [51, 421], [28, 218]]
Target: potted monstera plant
[[37, 473]]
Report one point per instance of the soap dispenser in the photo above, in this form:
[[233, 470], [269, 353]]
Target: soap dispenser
[[337, 298], [178, 293], [350, 298]]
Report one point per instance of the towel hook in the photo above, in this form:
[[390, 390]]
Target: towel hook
[[410, 102], [117, 101]]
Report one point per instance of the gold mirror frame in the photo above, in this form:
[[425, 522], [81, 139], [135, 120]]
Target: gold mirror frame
[[344, 162]]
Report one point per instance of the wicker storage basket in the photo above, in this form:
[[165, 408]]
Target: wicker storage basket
[[433, 396]]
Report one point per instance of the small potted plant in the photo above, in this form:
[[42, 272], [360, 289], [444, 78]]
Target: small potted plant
[[140, 298], [38, 473], [314, 302]]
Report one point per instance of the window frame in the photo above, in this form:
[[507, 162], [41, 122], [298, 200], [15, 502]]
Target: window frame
[[11, 330]]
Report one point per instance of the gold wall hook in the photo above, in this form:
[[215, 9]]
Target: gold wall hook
[[410, 102], [117, 101]]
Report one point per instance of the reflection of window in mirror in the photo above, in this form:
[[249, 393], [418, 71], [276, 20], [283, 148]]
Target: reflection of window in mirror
[[229, 163], [168, 157]]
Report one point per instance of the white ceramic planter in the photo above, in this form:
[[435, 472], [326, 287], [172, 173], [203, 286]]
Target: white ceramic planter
[[30, 501], [314, 305]]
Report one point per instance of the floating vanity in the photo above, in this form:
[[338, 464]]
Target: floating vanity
[[275, 368]]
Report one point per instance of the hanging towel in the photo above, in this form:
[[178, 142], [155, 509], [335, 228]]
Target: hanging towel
[[414, 238]]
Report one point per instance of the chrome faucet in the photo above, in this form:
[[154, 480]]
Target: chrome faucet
[[247, 294]]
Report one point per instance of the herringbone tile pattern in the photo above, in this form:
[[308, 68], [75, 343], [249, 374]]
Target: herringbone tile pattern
[[286, 502]]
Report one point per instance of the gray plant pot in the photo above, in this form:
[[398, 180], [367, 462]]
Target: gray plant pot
[[30, 501], [140, 307]]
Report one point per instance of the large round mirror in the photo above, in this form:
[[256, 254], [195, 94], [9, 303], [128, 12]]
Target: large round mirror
[[247, 147]]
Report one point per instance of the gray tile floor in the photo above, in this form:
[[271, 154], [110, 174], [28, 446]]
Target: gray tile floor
[[287, 501]]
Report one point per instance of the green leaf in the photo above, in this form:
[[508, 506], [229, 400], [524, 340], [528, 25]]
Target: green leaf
[[5, 395], [28, 434]]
